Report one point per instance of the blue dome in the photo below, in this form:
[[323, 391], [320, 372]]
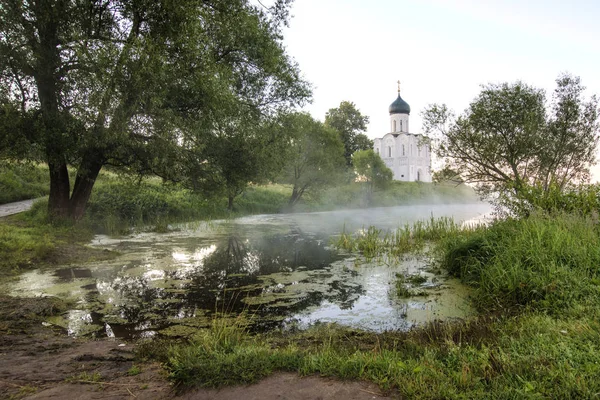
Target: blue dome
[[399, 106]]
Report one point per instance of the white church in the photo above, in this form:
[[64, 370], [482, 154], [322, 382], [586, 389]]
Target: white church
[[407, 154]]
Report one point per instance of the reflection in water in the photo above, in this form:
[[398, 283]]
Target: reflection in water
[[265, 266]]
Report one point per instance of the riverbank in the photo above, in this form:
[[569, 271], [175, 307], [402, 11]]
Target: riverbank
[[536, 286]]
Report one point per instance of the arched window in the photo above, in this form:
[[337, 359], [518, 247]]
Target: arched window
[[389, 151], [394, 123], [403, 150], [400, 125], [418, 175]]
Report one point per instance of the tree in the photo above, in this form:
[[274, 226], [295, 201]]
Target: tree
[[236, 154], [351, 125], [372, 171], [506, 142], [314, 155], [447, 174], [134, 83]]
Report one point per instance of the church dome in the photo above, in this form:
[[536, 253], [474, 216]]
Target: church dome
[[399, 106]]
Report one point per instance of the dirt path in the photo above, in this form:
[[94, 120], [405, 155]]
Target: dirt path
[[38, 361], [15, 208]]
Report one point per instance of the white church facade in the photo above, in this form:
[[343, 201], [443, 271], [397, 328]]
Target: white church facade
[[408, 155]]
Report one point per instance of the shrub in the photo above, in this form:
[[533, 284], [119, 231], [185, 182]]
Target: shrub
[[549, 263]]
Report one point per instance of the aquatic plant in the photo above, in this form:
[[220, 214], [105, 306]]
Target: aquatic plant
[[373, 242]]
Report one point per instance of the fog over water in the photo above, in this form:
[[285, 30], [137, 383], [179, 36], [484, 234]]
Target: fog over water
[[280, 269]]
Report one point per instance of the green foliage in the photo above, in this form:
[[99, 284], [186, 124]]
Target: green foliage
[[134, 370], [396, 193], [351, 125], [547, 263], [372, 171], [144, 86], [20, 247], [22, 181], [506, 142], [29, 240], [447, 175], [117, 205], [314, 156], [582, 199]]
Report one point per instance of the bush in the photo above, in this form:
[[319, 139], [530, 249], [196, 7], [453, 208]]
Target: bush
[[549, 263]]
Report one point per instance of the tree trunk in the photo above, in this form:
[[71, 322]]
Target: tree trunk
[[230, 198], [86, 177], [58, 203], [295, 197]]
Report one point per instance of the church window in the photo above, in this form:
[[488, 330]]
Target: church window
[[389, 151], [419, 149], [403, 150], [400, 126], [394, 122]]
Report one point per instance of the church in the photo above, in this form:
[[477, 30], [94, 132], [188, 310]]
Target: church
[[407, 154]]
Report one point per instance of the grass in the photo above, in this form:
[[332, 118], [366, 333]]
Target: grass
[[29, 240], [537, 285], [397, 193], [527, 356], [549, 264], [373, 242], [21, 181]]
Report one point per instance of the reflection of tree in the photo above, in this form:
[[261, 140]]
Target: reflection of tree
[[225, 277]]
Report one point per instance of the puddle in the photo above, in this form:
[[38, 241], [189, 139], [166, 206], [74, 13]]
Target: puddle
[[278, 269]]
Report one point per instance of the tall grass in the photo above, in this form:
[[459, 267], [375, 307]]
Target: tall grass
[[373, 242], [21, 181], [548, 263], [116, 204], [528, 356]]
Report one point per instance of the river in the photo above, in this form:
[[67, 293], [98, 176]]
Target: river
[[279, 271]]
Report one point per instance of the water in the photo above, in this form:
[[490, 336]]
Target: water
[[279, 270]]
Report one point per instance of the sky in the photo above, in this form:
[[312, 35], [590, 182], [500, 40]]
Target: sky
[[441, 51]]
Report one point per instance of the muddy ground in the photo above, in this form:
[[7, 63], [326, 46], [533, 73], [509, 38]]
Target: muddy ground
[[41, 362]]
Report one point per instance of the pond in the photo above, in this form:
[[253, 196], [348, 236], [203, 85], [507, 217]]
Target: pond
[[278, 270]]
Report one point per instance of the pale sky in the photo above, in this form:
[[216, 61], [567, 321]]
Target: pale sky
[[441, 51]]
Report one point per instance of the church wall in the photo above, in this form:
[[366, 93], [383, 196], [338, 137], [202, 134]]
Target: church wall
[[397, 118], [408, 165]]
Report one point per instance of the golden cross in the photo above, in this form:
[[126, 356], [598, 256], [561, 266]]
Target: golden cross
[[398, 87]]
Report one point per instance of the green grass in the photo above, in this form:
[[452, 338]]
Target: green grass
[[550, 264], [119, 204], [28, 240], [21, 181], [373, 242], [536, 283], [527, 356]]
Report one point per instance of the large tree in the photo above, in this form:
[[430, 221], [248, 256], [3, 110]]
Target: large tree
[[238, 152], [351, 125], [509, 139], [314, 155], [134, 83]]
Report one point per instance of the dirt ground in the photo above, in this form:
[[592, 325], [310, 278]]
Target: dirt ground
[[41, 362]]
